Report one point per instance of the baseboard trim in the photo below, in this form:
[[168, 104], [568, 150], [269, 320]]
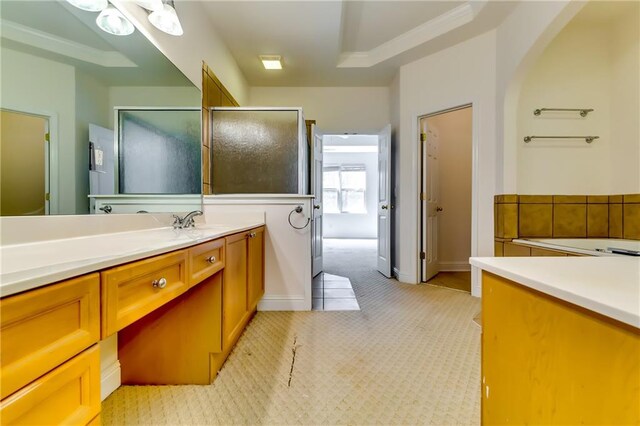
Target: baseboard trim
[[110, 379], [455, 266], [284, 303], [403, 278]]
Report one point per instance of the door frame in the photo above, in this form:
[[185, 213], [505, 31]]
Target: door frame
[[51, 160], [474, 182]]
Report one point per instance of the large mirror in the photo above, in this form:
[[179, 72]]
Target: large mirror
[[87, 113]]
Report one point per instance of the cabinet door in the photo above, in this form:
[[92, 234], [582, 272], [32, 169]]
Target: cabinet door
[[234, 289], [255, 285], [42, 328], [69, 394]]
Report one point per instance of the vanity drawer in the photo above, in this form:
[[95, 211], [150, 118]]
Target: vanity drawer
[[42, 328], [70, 394], [205, 260], [131, 291]]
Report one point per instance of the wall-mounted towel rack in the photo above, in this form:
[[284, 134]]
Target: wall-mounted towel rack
[[583, 111], [587, 139]]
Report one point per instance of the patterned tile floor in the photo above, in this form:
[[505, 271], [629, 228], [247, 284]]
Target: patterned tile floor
[[333, 293]]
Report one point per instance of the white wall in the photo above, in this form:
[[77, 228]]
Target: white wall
[[462, 74], [350, 225], [454, 130], [287, 251], [335, 109], [606, 77], [38, 85], [625, 102], [520, 40], [92, 106], [567, 75], [199, 42]]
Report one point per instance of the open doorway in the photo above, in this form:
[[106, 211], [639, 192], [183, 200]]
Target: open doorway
[[350, 178], [446, 188]]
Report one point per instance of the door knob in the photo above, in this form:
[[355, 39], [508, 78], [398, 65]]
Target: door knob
[[439, 209], [316, 206], [384, 207]]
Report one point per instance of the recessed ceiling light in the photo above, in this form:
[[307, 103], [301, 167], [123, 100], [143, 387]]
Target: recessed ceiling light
[[271, 62]]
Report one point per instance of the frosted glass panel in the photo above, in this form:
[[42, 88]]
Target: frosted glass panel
[[159, 152], [255, 152]]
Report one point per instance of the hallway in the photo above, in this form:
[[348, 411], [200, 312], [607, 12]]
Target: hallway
[[411, 355]]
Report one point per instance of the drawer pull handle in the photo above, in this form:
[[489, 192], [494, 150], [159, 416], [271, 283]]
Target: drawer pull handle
[[161, 283], [251, 235], [211, 259]]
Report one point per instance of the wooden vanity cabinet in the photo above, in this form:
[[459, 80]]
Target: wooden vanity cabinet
[[255, 274], [234, 289], [243, 282], [49, 362], [187, 340], [175, 331], [546, 361], [131, 291]]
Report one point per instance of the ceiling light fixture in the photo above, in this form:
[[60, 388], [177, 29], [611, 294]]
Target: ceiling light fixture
[[90, 5], [271, 62], [166, 19], [112, 21], [152, 5]]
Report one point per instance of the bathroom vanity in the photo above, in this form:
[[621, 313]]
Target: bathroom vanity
[[178, 299], [560, 340]]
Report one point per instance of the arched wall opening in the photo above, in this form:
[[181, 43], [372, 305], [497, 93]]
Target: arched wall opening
[[590, 59]]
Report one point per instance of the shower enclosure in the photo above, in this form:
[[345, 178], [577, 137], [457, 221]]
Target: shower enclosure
[[259, 150]]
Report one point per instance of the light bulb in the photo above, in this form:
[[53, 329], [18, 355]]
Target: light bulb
[[166, 20], [90, 5], [111, 20]]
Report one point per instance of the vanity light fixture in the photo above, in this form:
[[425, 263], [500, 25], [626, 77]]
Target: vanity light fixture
[[152, 5], [90, 5], [112, 21], [166, 19], [271, 62]]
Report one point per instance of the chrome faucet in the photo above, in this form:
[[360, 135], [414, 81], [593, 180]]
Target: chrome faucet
[[187, 221]]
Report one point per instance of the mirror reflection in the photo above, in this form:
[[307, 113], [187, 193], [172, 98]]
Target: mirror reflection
[[69, 93]]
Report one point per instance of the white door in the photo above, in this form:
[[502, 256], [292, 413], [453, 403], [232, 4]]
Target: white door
[[384, 201], [429, 196], [316, 185]]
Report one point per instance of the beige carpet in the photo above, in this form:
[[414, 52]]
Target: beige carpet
[[410, 356]]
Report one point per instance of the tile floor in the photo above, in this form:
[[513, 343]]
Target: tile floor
[[333, 293]]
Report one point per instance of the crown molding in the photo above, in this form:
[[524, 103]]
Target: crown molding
[[417, 36], [62, 46]]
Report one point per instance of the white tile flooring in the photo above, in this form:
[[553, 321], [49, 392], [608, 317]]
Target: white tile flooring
[[333, 293]]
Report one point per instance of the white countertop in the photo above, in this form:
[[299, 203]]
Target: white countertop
[[607, 285], [30, 265]]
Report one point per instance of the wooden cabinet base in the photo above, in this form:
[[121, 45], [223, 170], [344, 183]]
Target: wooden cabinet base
[[545, 361], [70, 394], [173, 344]]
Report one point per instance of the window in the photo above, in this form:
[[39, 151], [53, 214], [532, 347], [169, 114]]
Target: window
[[344, 188]]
